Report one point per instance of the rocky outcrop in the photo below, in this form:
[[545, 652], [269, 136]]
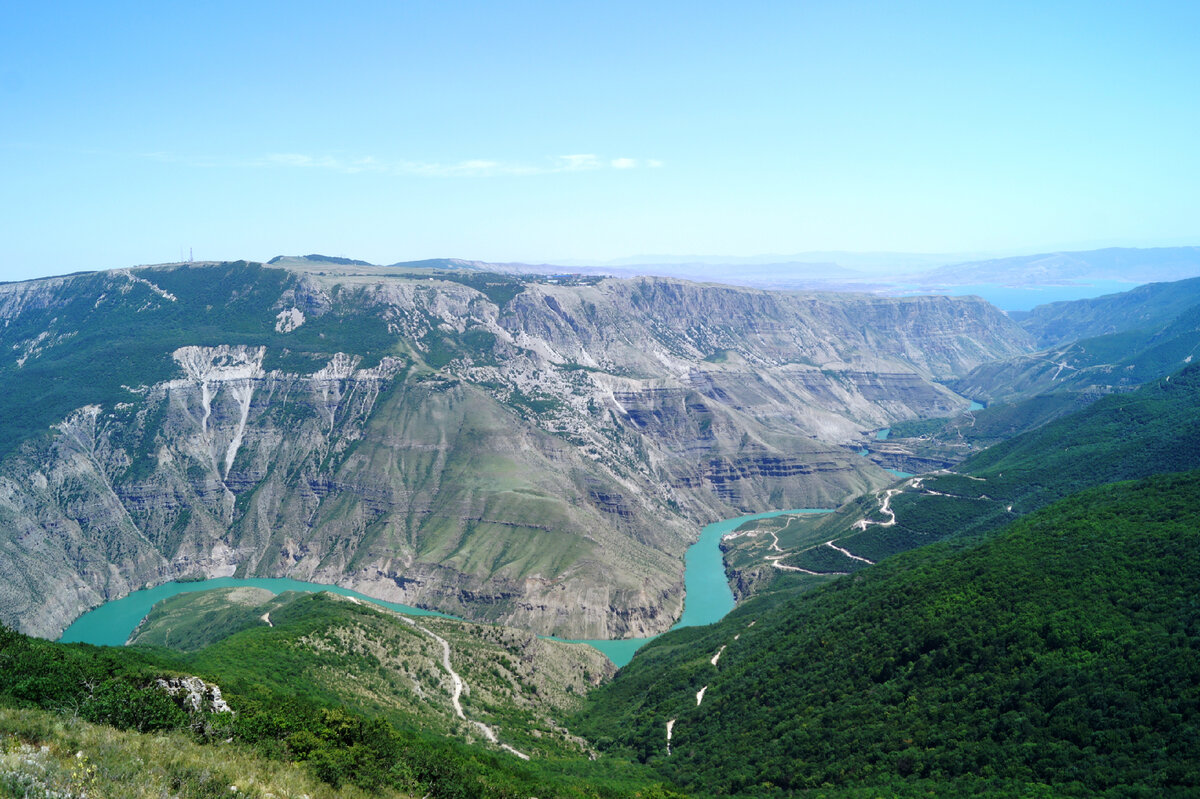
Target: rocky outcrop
[[522, 452], [194, 695]]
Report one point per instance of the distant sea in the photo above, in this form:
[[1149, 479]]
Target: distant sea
[[1018, 298]]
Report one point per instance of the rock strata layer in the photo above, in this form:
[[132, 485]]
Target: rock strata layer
[[507, 450]]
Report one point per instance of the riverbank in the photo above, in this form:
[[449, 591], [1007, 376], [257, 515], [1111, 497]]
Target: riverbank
[[708, 596]]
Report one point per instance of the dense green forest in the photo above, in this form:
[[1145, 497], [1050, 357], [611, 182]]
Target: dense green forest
[[1062, 653]]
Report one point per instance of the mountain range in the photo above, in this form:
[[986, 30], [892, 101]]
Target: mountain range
[[503, 448], [883, 272], [534, 453]]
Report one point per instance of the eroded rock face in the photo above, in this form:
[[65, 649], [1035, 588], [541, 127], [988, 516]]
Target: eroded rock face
[[540, 458], [194, 694]]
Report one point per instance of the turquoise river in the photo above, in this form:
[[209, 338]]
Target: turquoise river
[[708, 596]]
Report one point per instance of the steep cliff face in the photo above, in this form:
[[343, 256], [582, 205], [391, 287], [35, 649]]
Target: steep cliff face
[[507, 450]]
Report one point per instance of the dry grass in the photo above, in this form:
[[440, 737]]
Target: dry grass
[[43, 756]]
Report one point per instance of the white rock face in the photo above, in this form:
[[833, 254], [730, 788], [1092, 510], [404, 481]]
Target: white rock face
[[340, 367], [388, 368], [288, 320], [197, 694], [205, 364], [235, 368], [166, 295], [80, 427]]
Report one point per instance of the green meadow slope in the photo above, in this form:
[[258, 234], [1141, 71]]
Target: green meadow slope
[[337, 699], [334, 650]]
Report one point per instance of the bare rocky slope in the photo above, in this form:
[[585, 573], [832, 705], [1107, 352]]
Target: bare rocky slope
[[508, 449]]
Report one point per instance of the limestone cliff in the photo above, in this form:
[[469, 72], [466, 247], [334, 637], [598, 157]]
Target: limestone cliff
[[511, 450]]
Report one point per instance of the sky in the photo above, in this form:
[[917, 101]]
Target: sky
[[136, 133]]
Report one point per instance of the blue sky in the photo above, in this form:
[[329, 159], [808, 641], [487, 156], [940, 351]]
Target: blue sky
[[590, 131]]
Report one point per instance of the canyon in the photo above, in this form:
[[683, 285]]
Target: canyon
[[532, 451]]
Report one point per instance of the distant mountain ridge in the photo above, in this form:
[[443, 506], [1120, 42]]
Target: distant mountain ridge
[[1147, 307], [320, 259], [1115, 263], [1111, 343], [1092, 347], [846, 271]]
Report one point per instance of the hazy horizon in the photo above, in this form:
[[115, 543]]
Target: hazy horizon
[[815, 257], [544, 134]]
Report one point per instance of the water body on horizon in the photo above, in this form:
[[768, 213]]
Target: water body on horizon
[[1026, 298], [708, 596]]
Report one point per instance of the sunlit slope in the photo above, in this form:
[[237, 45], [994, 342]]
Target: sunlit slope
[[1148, 341], [339, 651], [1121, 437], [1147, 307], [1063, 652], [519, 449], [312, 706], [48, 755]]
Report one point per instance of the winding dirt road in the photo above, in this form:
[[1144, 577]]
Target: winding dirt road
[[459, 685]]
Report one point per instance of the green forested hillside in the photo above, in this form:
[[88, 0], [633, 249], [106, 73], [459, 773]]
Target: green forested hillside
[[1152, 430], [306, 713], [974, 430], [1063, 652], [1094, 347], [1146, 307], [1115, 351], [333, 650]]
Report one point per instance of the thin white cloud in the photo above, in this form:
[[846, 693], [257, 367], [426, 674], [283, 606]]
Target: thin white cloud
[[306, 161], [469, 168], [577, 163]]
